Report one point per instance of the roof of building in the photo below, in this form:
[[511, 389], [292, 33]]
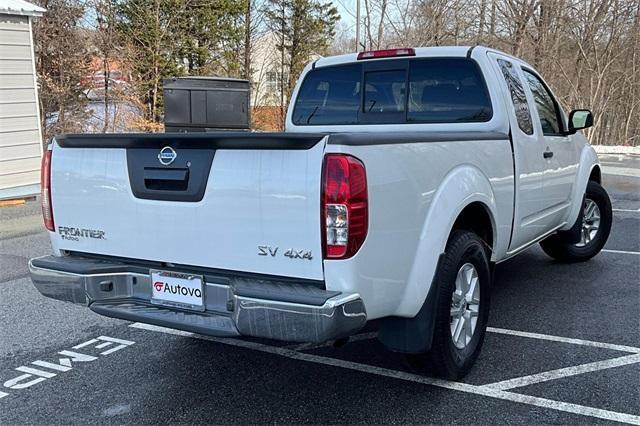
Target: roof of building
[[20, 7]]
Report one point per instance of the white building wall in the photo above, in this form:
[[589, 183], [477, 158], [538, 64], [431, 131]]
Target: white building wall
[[265, 67], [20, 135]]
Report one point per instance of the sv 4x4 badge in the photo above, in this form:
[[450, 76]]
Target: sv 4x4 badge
[[290, 253]]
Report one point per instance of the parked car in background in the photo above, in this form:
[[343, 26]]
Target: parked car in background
[[97, 79], [95, 84]]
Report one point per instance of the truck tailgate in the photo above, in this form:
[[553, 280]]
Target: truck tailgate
[[232, 202]]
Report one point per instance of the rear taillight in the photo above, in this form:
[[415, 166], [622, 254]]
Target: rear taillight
[[345, 212], [45, 188]]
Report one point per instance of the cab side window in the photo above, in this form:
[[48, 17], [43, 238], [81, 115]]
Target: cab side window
[[519, 99], [546, 106]]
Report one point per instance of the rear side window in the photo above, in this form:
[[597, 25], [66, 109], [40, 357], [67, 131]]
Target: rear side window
[[329, 96], [447, 90], [523, 116]]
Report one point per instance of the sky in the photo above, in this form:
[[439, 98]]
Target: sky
[[347, 10]]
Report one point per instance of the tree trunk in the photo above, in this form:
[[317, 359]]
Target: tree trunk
[[383, 11], [481, 25], [247, 41], [282, 67], [367, 25], [105, 69], [492, 24]]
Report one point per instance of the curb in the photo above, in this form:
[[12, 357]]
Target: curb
[[15, 201]]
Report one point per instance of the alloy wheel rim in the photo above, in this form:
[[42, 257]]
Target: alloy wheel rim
[[465, 306], [590, 222]]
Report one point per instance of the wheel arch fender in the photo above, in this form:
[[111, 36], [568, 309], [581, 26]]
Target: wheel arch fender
[[461, 187], [589, 168], [411, 330]]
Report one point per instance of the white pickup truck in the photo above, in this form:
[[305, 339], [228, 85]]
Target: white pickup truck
[[403, 177]]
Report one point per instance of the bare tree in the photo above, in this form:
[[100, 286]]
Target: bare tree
[[106, 44], [63, 60], [587, 50]]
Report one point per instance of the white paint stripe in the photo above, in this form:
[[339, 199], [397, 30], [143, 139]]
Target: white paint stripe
[[87, 343], [36, 372], [621, 252], [621, 348], [311, 346], [627, 210], [564, 372], [50, 365], [75, 357], [150, 327], [569, 408], [114, 340], [121, 344], [372, 335], [112, 350], [400, 375]]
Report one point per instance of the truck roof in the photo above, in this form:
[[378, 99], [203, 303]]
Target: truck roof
[[421, 52]]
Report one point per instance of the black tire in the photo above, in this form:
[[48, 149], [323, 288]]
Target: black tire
[[444, 359], [564, 251]]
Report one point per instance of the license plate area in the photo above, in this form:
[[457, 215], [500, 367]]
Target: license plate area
[[177, 289]]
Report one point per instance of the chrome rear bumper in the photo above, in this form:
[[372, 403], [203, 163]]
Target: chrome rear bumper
[[234, 306]]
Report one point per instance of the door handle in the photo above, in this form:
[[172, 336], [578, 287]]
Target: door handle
[[547, 154]]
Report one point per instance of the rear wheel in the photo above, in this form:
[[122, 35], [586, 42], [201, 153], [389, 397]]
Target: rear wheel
[[596, 218], [462, 308]]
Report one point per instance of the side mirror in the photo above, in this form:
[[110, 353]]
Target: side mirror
[[580, 119]]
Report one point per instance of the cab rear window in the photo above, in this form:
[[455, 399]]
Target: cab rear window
[[329, 96], [429, 90], [447, 90]]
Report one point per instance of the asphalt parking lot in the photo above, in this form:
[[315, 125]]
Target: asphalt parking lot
[[563, 347]]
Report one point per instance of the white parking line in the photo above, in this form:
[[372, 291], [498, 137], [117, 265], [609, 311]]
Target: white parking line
[[401, 375], [621, 348], [627, 210], [601, 345], [636, 253], [373, 335], [564, 372]]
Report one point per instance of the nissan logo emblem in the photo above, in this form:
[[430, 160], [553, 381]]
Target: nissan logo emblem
[[167, 156]]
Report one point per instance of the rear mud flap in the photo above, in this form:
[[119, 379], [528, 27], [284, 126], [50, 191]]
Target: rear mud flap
[[412, 335]]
